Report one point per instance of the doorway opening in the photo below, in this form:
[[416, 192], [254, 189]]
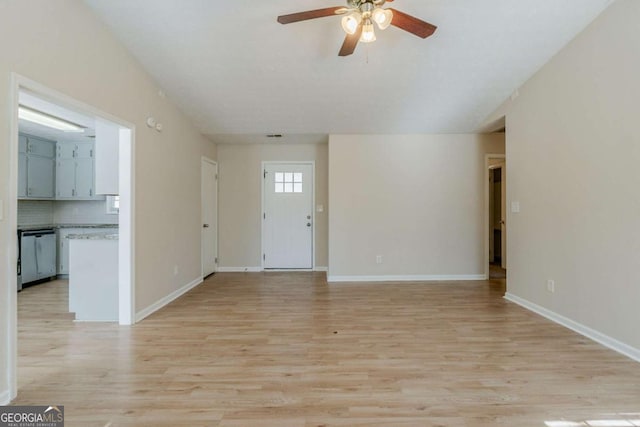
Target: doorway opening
[[288, 198], [496, 226], [54, 179]]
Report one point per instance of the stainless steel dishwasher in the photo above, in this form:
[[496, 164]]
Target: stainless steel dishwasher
[[36, 255]]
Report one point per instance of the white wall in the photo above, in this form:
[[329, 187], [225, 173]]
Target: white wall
[[240, 195], [573, 152], [416, 200], [62, 45]]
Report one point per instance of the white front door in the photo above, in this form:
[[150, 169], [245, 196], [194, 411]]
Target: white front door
[[288, 216], [209, 217]]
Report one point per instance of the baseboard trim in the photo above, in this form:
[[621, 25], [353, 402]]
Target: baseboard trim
[[5, 398], [605, 340], [239, 269], [406, 278], [166, 300], [260, 269]]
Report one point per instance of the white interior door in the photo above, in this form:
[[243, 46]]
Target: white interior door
[[288, 216], [209, 188]]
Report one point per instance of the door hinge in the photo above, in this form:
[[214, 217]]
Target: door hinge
[[264, 257], [216, 177], [265, 174], [216, 260], [264, 216]]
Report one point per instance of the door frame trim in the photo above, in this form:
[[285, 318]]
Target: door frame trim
[[126, 246], [213, 162], [486, 209], [312, 163]]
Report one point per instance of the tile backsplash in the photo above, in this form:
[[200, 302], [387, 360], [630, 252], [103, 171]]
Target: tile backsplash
[[82, 212], [35, 212], [41, 212]]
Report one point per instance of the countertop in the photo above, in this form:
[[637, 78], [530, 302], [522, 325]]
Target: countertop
[[94, 236], [43, 226]]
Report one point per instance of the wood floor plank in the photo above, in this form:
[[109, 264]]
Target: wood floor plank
[[288, 349]]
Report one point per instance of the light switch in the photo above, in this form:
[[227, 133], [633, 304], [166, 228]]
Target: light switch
[[320, 208], [515, 207]]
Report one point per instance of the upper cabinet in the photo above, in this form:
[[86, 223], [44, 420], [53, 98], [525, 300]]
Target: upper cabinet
[[107, 157], [36, 168], [56, 171], [75, 171]]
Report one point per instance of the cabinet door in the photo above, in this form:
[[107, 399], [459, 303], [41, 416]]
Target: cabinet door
[[22, 175], [28, 259], [65, 178], [84, 151], [40, 177], [22, 143], [84, 178], [41, 147], [107, 162], [46, 255], [66, 150], [60, 262], [63, 248]]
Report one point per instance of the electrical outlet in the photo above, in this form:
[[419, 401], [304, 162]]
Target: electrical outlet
[[175, 270], [551, 285], [378, 259]]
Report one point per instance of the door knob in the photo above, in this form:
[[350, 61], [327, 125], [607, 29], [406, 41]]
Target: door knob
[[308, 224], [205, 225], [308, 216]]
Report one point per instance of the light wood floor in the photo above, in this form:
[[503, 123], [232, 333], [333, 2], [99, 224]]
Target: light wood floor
[[288, 350]]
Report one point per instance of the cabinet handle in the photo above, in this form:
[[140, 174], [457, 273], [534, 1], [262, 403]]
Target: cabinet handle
[[38, 250], [73, 192]]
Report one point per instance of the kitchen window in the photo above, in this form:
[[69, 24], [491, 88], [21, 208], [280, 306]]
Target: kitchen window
[[113, 205]]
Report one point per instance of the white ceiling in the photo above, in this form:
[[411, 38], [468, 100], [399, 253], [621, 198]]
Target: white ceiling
[[234, 70]]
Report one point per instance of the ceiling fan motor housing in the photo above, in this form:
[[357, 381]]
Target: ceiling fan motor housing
[[355, 4]]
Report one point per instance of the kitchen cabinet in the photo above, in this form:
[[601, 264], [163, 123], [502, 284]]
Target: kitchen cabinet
[[107, 145], [22, 175], [63, 243], [40, 177], [93, 285], [75, 178], [36, 168]]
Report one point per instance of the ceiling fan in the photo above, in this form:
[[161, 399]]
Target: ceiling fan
[[358, 21]]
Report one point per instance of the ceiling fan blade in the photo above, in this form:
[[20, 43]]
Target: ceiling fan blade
[[350, 42], [310, 14], [412, 24]]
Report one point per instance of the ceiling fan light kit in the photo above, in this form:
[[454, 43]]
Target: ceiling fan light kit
[[351, 22], [358, 23]]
